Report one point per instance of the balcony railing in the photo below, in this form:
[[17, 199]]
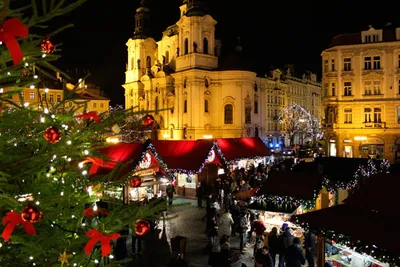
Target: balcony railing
[[375, 124]]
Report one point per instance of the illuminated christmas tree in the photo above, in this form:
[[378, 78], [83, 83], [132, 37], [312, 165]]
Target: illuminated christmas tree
[[49, 215], [298, 122]]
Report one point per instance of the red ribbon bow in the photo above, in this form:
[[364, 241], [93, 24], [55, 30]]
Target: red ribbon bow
[[10, 29], [89, 212], [90, 115], [95, 236], [13, 219]]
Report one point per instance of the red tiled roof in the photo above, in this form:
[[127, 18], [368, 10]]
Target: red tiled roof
[[389, 35], [236, 148], [186, 154], [301, 185]]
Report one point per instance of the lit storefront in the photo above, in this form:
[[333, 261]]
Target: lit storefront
[[332, 148], [372, 147], [348, 148]]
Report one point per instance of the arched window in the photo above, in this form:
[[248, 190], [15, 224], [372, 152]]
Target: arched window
[[255, 107], [205, 105], [186, 51], [184, 133], [205, 46], [256, 134], [185, 106], [228, 114], [156, 105], [171, 133], [167, 57], [206, 83]]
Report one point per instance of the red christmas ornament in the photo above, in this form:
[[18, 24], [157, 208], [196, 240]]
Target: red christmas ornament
[[10, 29], [47, 46], [52, 135], [135, 182], [142, 227], [148, 120], [31, 214], [11, 220]]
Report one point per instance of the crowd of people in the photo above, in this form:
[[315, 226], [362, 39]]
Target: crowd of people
[[227, 217]]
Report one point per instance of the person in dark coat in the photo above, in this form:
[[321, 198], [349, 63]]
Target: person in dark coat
[[294, 254], [273, 244], [199, 195], [170, 190], [309, 247], [235, 211], [263, 258]]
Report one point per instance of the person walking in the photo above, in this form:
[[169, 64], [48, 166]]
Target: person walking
[[273, 244], [170, 190], [199, 195], [294, 254]]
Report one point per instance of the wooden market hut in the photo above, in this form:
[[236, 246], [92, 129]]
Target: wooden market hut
[[366, 222], [190, 161]]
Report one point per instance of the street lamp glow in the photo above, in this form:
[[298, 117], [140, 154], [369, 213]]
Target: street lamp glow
[[207, 136]]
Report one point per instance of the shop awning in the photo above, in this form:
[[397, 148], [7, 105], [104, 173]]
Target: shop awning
[[299, 185], [375, 230], [188, 155], [237, 148], [126, 156]]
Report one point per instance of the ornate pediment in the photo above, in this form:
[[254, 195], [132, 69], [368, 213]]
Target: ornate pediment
[[372, 76], [373, 52], [348, 54], [208, 93], [228, 99], [348, 77]]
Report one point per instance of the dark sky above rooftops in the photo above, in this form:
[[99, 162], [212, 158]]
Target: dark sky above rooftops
[[272, 33]]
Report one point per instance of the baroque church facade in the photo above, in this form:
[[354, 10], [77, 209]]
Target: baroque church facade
[[179, 78]]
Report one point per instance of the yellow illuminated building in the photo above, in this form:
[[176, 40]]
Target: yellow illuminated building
[[199, 93], [361, 88], [87, 95]]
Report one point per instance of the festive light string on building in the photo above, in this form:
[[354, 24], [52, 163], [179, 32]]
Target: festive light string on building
[[285, 200], [359, 246]]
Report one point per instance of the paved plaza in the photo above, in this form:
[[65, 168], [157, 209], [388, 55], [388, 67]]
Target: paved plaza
[[184, 219]]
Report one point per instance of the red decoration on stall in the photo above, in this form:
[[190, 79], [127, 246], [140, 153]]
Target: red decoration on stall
[[47, 46], [11, 220], [142, 227], [90, 115], [10, 29], [95, 236], [148, 120], [31, 214], [137, 182], [52, 135]]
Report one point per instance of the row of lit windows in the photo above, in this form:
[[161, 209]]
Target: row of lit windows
[[370, 63], [370, 115], [370, 88], [206, 106]]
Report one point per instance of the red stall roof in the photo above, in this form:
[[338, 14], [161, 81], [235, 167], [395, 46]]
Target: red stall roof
[[114, 154], [185, 155], [236, 148]]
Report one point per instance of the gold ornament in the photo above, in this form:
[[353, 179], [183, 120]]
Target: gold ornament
[[64, 257]]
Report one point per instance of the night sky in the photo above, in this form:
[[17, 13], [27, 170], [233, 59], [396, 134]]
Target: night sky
[[274, 33]]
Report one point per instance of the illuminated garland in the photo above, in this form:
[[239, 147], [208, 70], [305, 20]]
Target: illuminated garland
[[379, 254], [363, 172], [284, 200]]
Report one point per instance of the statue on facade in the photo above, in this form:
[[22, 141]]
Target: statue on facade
[[288, 72], [177, 52], [194, 47], [164, 60], [126, 66], [148, 62], [138, 63], [304, 76]]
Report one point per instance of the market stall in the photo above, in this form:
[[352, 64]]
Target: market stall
[[190, 162], [285, 193], [359, 233], [136, 163], [243, 152]]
